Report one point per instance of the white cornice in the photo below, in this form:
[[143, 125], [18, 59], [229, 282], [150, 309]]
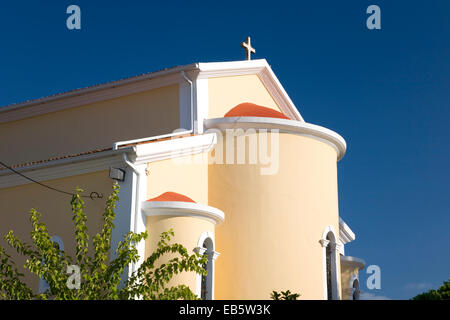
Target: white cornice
[[173, 148], [140, 154], [231, 68], [283, 125], [183, 209], [346, 234]]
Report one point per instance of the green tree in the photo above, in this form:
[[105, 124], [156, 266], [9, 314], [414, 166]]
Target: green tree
[[100, 278], [284, 295], [443, 293]]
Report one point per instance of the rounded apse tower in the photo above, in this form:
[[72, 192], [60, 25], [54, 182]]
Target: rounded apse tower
[[277, 184], [194, 226]]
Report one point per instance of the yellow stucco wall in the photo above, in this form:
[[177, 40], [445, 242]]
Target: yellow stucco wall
[[187, 175], [348, 270], [187, 232], [270, 237], [226, 92], [16, 202], [273, 223], [93, 126]]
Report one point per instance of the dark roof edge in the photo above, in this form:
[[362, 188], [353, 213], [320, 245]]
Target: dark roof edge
[[64, 160], [97, 87]]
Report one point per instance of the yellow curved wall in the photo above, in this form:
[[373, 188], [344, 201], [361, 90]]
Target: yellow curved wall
[[270, 237], [186, 175], [187, 232]]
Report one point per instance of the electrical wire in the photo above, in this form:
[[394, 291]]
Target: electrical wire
[[93, 195]]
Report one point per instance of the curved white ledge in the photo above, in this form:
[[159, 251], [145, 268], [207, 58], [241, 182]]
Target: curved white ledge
[[283, 125], [357, 262], [183, 209]]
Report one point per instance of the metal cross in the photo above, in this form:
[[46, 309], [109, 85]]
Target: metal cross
[[248, 48]]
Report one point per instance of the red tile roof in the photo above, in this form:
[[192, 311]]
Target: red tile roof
[[35, 162], [75, 155], [248, 109], [172, 196]]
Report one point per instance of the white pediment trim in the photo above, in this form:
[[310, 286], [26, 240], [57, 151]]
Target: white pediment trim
[[264, 72], [346, 234]]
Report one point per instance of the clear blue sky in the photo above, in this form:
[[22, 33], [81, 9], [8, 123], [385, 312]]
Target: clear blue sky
[[387, 92]]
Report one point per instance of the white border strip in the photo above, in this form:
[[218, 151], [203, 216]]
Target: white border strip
[[346, 234], [284, 125], [175, 147], [183, 209]]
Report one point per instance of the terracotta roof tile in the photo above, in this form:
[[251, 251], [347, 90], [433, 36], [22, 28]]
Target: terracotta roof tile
[[31, 163], [172, 196], [248, 109]]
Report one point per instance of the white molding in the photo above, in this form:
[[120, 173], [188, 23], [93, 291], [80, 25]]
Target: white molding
[[201, 250], [283, 125], [183, 209], [204, 236], [341, 247], [346, 234], [231, 68], [124, 215], [63, 168], [138, 218], [201, 104], [276, 90], [173, 148], [334, 261]]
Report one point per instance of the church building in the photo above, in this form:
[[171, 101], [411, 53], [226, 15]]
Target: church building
[[216, 151]]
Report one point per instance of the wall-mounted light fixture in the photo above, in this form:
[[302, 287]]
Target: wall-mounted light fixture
[[117, 174]]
